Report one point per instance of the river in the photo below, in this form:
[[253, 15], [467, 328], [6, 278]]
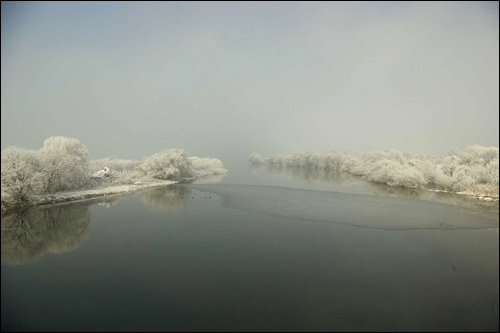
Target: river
[[256, 250]]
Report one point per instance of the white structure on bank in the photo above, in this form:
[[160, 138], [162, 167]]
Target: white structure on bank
[[102, 173]]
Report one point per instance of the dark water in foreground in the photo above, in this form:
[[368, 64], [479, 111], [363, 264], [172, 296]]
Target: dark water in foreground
[[183, 258]]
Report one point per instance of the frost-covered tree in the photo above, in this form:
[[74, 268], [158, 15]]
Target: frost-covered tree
[[394, 173], [466, 170], [474, 169], [396, 155], [302, 160], [337, 161], [450, 164], [206, 166], [492, 173], [374, 156], [256, 158], [171, 164], [489, 154], [471, 155], [477, 154], [66, 164], [427, 168], [115, 164], [277, 160], [22, 173], [392, 168]]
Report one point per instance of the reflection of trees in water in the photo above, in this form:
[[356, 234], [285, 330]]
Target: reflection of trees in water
[[255, 167], [463, 200], [28, 235], [166, 198], [399, 192], [208, 179], [338, 178], [423, 194], [109, 201], [309, 174]]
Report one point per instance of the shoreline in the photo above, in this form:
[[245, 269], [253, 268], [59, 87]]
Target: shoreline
[[60, 197], [469, 195]]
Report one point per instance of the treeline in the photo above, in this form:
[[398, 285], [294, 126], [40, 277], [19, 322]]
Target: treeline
[[62, 164], [474, 170]]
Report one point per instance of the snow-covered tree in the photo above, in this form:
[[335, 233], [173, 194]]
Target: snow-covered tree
[[115, 164], [171, 164], [426, 167], [276, 160], [336, 161], [66, 164], [22, 173], [450, 164], [473, 169], [489, 154], [491, 174], [256, 158], [394, 173], [206, 166]]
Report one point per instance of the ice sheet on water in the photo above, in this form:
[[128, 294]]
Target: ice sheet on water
[[353, 209]]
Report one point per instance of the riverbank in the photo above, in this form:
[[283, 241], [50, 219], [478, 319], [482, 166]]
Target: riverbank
[[486, 195], [47, 199]]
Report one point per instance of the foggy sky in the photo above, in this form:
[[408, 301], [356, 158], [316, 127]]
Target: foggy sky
[[227, 79]]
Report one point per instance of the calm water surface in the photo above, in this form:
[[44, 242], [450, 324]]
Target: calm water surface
[[323, 256]]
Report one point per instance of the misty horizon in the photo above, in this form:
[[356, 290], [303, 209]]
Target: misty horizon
[[227, 79]]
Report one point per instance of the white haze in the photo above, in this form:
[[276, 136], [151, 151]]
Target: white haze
[[225, 79]]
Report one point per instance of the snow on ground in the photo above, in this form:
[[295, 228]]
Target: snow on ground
[[87, 194], [469, 194]]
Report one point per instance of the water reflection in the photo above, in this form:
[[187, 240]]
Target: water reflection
[[209, 179], [397, 192], [339, 179], [112, 200], [461, 200], [366, 211], [28, 235], [167, 198], [333, 177]]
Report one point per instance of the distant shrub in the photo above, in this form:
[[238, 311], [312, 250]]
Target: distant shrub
[[115, 164], [472, 168], [206, 166], [337, 161], [427, 168], [276, 160], [255, 158], [171, 164], [302, 160], [392, 173]]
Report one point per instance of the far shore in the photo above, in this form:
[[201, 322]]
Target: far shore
[[472, 195]]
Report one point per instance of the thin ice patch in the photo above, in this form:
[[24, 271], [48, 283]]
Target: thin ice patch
[[352, 209]]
